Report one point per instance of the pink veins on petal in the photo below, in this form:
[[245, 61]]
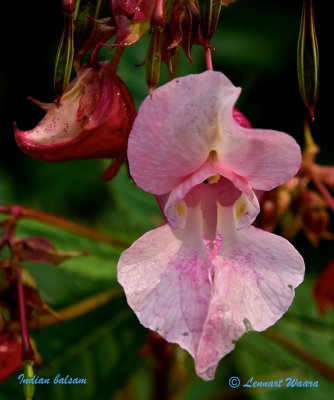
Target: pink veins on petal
[[207, 276]]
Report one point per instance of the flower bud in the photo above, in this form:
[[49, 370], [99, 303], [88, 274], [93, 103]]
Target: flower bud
[[92, 120]]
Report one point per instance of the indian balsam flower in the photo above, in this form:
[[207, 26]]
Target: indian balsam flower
[[207, 276], [92, 119]]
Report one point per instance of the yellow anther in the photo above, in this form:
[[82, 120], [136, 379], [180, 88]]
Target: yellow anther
[[181, 209], [240, 208], [213, 179], [213, 155]]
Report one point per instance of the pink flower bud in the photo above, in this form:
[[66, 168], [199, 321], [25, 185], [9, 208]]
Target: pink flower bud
[[92, 120]]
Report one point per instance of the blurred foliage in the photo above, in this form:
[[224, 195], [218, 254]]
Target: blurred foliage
[[256, 47]]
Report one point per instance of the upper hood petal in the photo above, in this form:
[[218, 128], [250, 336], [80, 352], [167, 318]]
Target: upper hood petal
[[175, 130], [186, 119]]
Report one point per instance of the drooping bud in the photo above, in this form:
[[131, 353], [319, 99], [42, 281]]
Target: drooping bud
[[93, 120], [308, 58]]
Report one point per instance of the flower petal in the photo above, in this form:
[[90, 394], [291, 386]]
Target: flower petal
[[178, 124], [168, 289], [264, 157], [191, 116], [59, 124], [226, 191], [255, 274]]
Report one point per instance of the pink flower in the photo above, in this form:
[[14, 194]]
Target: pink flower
[[207, 276], [93, 120]]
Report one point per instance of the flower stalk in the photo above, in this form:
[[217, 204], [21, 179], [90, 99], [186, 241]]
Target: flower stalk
[[70, 226]]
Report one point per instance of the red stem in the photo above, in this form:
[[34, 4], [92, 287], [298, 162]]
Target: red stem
[[93, 59], [208, 58], [24, 212], [94, 55], [116, 59], [27, 350]]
